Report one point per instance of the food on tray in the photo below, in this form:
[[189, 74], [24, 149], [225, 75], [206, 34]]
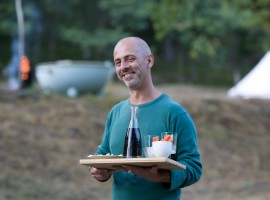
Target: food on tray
[[103, 156], [165, 138]]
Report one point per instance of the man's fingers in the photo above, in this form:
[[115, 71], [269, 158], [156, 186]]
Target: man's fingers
[[96, 171]]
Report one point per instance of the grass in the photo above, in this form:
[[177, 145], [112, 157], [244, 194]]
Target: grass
[[42, 138]]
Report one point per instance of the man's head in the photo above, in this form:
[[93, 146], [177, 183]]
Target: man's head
[[133, 60]]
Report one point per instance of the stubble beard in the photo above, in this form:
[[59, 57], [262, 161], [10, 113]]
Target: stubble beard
[[131, 82]]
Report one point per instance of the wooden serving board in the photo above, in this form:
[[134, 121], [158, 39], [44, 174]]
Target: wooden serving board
[[161, 162]]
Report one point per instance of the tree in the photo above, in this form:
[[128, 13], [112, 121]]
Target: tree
[[209, 33], [204, 39]]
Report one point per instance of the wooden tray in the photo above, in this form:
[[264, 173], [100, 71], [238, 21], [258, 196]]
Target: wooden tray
[[161, 162]]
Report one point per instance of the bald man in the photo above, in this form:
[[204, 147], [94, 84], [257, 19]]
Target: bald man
[[157, 113]]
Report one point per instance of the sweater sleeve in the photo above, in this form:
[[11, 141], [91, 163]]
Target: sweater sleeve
[[187, 153], [104, 147]]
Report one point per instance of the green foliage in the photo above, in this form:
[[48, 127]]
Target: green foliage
[[131, 15], [202, 26], [164, 17], [222, 35], [8, 23], [98, 39], [213, 33]]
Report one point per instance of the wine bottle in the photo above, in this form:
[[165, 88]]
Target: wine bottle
[[133, 142]]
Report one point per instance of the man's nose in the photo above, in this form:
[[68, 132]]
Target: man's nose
[[124, 65]]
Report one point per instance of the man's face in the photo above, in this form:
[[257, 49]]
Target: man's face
[[129, 64]]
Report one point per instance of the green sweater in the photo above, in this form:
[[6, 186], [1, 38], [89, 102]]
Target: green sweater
[[162, 114]]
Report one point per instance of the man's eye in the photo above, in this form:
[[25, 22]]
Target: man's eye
[[131, 59], [117, 64]]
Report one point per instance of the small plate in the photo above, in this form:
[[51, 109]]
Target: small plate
[[104, 156]]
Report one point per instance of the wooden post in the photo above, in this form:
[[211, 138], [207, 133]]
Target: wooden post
[[20, 19]]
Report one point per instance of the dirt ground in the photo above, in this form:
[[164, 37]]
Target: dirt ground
[[43, 136]]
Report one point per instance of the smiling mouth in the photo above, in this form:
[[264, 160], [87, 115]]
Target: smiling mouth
[[127, 75]]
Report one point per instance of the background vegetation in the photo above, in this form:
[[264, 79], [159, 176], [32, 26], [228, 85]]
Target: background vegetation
[[204, 42]]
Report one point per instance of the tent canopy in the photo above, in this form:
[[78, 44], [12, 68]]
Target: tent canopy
[[256, 84]]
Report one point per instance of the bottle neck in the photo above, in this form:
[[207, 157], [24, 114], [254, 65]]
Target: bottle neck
[[133, 114]]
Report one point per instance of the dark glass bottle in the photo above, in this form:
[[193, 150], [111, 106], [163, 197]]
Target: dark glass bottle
[[133, 142]]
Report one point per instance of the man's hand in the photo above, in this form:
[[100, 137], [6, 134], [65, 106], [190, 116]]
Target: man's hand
[[100, 174], [150, 173]]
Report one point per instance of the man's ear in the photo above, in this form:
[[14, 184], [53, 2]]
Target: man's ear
[[150, 61]]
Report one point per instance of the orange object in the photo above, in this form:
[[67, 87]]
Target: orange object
[[25, 67], [155, 138], [166, 138]]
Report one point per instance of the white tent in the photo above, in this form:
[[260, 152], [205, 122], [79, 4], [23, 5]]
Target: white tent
[[256, 84]]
